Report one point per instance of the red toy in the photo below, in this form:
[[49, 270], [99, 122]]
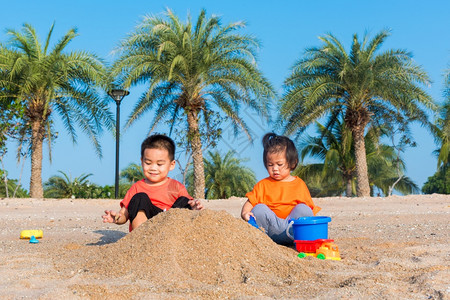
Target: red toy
[[320, 248]]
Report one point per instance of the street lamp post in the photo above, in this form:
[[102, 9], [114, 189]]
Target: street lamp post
[[117, 95]]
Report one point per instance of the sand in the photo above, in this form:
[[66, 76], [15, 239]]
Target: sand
[[391, 248]]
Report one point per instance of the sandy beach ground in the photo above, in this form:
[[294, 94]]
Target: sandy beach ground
[[392, 248]]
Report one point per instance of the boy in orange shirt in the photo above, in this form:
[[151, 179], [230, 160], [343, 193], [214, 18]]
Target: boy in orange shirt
[[278, 199], [156, 192]]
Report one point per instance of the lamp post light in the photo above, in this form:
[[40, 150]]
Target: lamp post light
[[117, 95]]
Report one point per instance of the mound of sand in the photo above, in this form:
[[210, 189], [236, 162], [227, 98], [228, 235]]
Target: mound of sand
[[183, 249]]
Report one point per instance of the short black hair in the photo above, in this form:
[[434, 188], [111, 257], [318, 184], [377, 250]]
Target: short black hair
[[159, 141], [274, 143]]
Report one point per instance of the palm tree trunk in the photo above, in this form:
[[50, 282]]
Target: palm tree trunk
[[197, 155], [37, 140], [348, 187], [362, 177]]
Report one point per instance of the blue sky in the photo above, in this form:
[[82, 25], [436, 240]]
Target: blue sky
[[284, 28]]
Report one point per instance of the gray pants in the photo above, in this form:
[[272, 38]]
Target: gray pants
[[276, 227]]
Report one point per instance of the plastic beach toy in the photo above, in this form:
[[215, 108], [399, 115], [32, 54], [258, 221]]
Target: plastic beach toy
[[320, 248], [33, 240], [27, 234], [311, 228], [252, 222], [311, 238]]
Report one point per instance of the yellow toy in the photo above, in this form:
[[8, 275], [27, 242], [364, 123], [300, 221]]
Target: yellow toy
[[27, 234], [320, 248]]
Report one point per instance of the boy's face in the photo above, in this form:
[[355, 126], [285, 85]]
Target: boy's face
[[277, 166], [156, 164]]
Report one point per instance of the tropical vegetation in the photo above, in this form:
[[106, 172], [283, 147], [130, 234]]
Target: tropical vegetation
[[442, 128], [440, 181], [385, 165], [47, 81], [225, 176], [63, 186], [11, 112], [366, 87], [10, 188], [335, 172], [192, 68], [132, 173]]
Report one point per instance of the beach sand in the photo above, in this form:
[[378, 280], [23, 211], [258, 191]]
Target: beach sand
[[391, 248]]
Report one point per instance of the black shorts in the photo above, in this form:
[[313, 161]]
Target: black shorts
[[141, 201]]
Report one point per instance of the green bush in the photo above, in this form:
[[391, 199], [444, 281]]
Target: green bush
[[438, 183]]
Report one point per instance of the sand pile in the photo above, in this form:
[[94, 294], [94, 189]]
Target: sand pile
[[182, 249], [208, 253]]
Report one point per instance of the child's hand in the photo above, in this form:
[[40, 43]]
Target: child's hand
[[110, 216], [246, 211], [195, 204], [246, 216]]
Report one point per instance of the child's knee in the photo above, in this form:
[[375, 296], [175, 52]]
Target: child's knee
[[301, 210], [260, 209]]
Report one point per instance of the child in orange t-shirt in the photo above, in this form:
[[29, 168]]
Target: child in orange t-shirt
[[278, 199], [156, 192]]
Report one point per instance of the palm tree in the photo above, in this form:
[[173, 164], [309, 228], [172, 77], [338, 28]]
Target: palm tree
[[319, 186], [225, 177], [191, 70], [439, 182], [336, 171], [11, 112], [132, 173], [442, 128], [367, 87], [11, 187], [385, 166], [47, 82], [65, 187], [333, 146], [384, 175]]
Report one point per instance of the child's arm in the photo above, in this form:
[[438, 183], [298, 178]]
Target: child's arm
[[119, 218], [246, 211]]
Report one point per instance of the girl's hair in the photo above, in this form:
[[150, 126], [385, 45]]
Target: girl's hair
[[159, 141], [273, 143]]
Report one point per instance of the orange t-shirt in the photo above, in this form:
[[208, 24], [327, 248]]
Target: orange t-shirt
[[162, 196], [280, 196]]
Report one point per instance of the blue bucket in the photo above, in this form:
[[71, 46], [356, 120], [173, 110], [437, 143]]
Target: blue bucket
[[311, 228]]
